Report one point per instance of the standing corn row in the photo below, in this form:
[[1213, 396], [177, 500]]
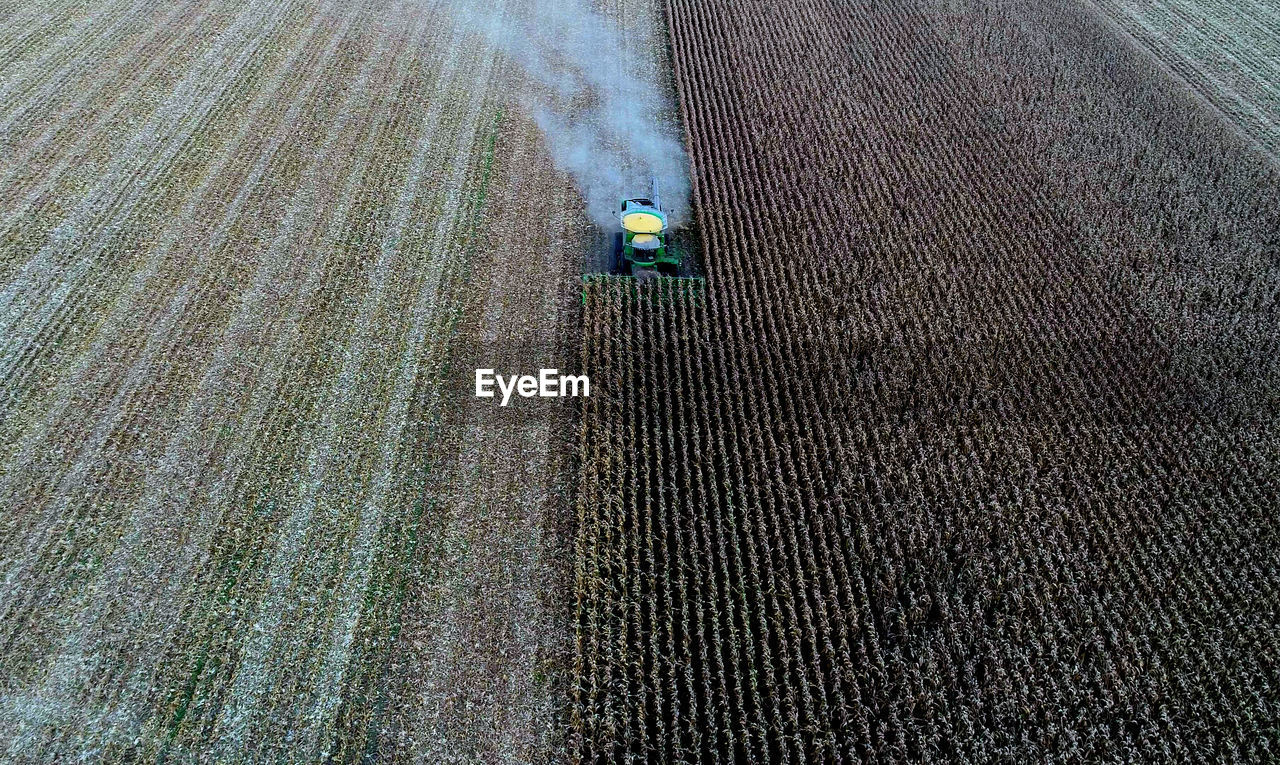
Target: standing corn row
[[969, 450]]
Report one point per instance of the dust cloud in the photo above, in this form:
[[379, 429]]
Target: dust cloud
[[598, 94]]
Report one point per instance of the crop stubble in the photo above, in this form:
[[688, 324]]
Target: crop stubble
[[236, 258]]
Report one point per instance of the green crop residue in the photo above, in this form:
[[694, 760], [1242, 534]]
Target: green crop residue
[[470, 232], [233, 567], [422, 509], [189, 691], [411, 550], [425, 507], [229, 582], [230, 573], [490, 151]]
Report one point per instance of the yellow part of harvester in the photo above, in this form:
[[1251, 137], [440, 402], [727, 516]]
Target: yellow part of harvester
[[639, 239], [642, 223]]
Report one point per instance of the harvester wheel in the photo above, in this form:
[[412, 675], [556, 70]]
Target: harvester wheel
[[619, 262]]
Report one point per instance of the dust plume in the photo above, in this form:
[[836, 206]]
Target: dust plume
[[598, 96]]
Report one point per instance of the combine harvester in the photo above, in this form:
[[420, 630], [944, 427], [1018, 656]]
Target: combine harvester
[[640, 249], [645, 250]]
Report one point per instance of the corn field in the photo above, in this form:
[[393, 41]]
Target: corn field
[[968, 451], [965, 449]]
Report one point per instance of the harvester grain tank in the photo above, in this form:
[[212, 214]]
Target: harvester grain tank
[[641, 247]]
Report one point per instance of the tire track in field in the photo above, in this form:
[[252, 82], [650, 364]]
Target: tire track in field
[[356, 578], [35, 296], [277, 715], [170, 627], [107, 273], [64, 404], [162, 129], [200, 199], [38, 27], [216, 464], [261, 401], [41, 190]]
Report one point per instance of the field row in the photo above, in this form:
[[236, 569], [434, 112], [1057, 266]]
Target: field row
[[1227, 51], [969, 449], [235, 244]]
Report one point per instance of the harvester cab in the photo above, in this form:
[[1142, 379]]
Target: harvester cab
[[641, 246]]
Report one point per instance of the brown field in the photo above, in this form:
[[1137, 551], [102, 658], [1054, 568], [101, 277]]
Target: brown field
[[969, 450], [966, 449]]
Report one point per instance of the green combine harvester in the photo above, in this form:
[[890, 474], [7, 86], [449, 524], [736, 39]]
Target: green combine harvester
[[648, 262], [640, 248]]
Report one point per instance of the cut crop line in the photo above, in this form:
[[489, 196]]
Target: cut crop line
[[36, 102], [86, 35], [125, 313], [28, 25], [359, 563], [162, 330], [158, 491], [20, 161]]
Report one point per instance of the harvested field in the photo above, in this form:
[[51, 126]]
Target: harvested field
[[244, 247], [1228, 51], [969, 451]]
